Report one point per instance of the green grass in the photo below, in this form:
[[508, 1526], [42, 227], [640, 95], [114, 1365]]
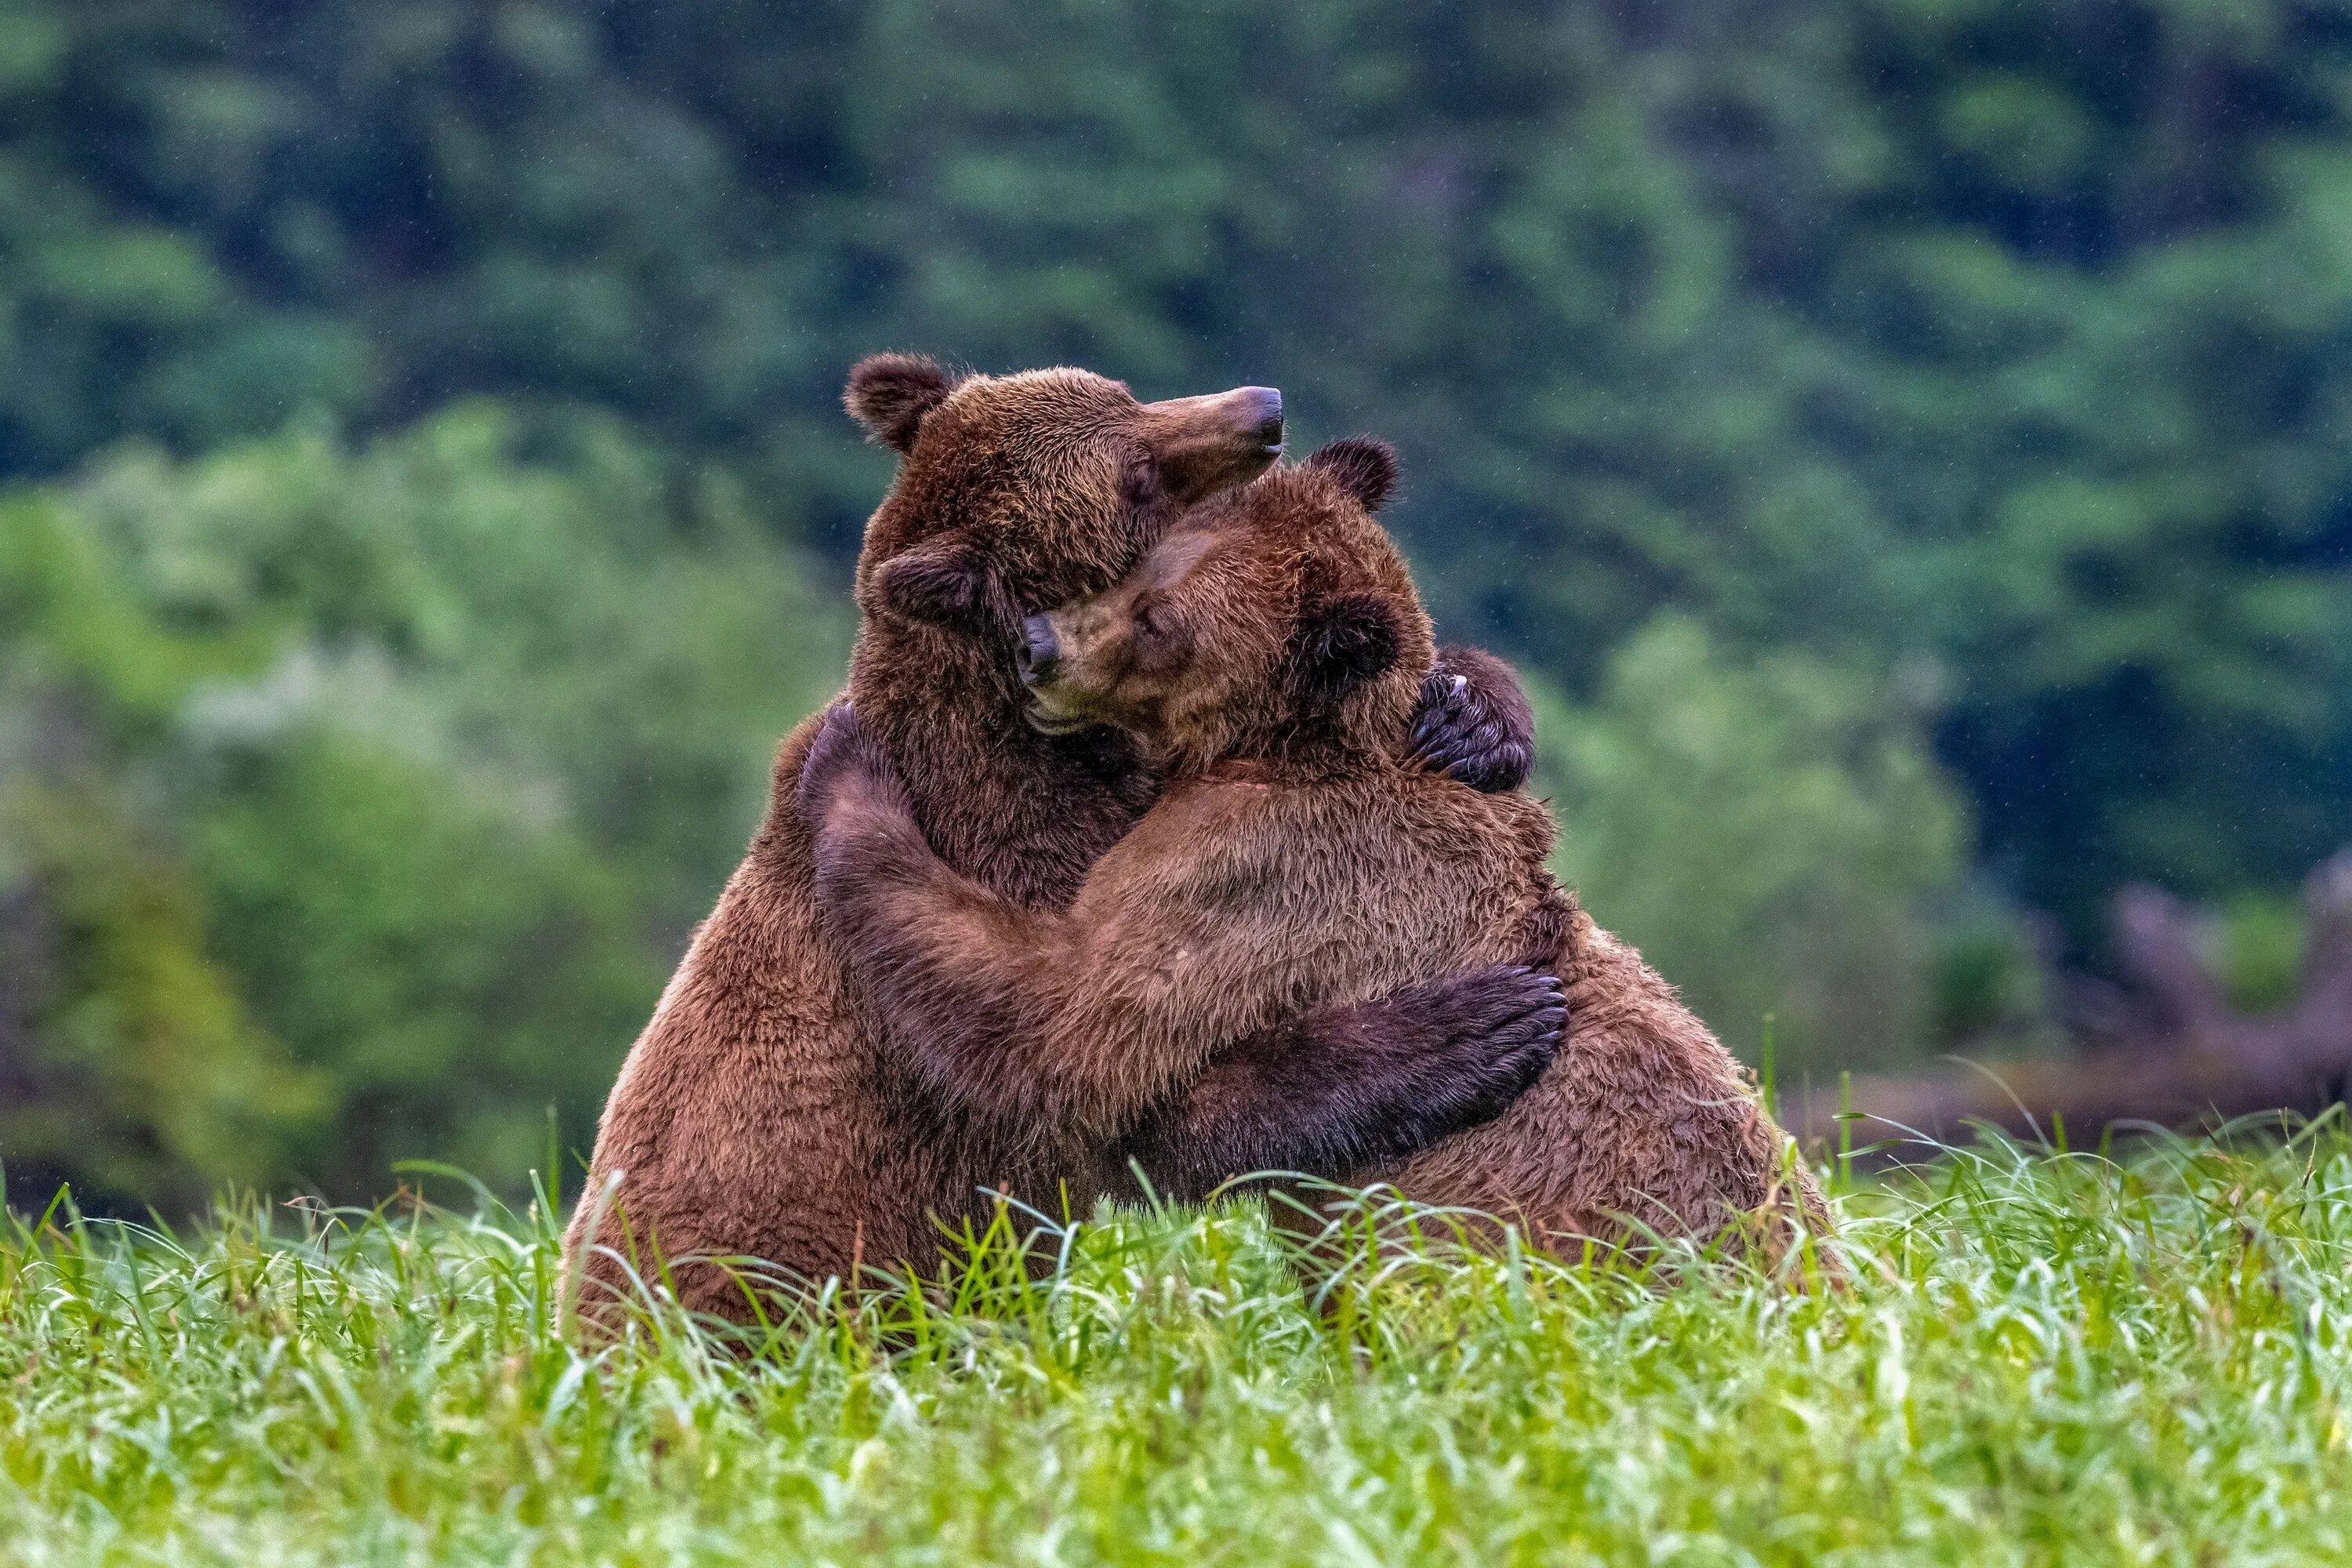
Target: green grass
[[2046, 1358]]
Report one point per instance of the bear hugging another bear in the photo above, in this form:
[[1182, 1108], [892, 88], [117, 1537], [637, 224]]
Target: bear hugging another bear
[[764, 1114], [811, 1096], [1265, 656]]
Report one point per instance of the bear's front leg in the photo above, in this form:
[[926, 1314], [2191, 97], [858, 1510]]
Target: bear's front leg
[[1344, 1090]]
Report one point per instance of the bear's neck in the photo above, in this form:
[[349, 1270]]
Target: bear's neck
[[1023, 814]]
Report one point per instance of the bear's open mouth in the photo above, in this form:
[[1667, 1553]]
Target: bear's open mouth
[[1050, 723]]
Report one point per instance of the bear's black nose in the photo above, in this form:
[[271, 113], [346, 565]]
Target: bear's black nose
[[1266, 404], [1039, 653]]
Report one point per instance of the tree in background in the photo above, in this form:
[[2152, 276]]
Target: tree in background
[[1999, 344], [2005, 335], [1772, 838], [360, 800]]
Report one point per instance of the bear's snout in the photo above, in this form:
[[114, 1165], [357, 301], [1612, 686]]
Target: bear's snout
[[1039, 652], [1266, 404], [1208, 444]]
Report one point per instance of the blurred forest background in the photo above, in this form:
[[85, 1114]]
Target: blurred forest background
[[1905, 440]]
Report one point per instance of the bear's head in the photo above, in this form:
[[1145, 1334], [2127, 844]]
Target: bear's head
[[1018, 492], [1277, 622]]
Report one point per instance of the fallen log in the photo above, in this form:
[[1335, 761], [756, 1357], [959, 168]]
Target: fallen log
[[2160, 1045]]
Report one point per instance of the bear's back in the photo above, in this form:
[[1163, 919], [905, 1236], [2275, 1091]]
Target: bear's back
[[1358, 885], [1644, 1120]]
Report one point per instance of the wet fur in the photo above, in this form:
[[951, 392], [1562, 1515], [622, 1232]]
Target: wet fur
[[764, 1112], [1294, 860]]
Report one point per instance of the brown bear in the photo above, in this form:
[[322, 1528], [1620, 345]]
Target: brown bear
[[761, 1114], [1265, 656]]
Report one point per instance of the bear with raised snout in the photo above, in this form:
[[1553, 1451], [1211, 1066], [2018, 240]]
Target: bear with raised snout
[[1266, 657], [766, 1113]]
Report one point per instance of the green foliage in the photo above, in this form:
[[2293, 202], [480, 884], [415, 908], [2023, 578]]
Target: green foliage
[[2003, 343], [580, 627], [2045, 1361], [2006, 338], [1769, 836], [1989, 991], [414, 943], [2261, 952], [364, 797], [132, 1061]]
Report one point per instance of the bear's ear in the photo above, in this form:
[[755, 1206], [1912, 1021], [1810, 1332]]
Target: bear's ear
[[1339, 645], [1366, 469], [890, 394], [945, 583]]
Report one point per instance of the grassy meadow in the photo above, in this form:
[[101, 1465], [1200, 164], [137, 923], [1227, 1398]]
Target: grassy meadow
[[2047, 1358]]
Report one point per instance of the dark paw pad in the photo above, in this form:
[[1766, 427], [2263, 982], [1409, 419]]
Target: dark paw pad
[[1460, 734], [1502, 766], [1505, 1027], [1474, 1043]]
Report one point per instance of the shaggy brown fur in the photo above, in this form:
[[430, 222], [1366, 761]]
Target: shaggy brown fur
[[1267, 654], [762, 1113]]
